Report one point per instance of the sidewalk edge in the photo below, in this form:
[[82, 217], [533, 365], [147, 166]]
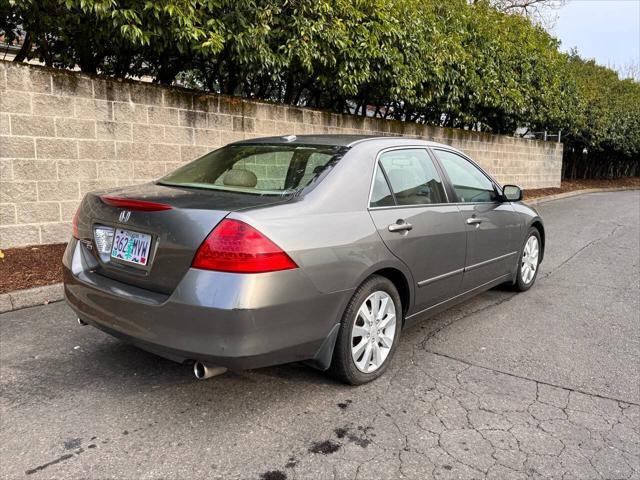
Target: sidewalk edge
[[31, 297], [575, 193]]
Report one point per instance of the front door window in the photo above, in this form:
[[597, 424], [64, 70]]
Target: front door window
[[469, 183]]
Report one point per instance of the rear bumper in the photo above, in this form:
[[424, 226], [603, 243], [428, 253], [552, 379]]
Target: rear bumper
[[234, 320]]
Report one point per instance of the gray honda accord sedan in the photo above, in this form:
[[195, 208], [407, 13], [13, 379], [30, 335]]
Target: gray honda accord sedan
[[311, 248]]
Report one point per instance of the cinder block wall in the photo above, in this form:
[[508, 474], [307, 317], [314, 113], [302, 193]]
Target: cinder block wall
[[63, 134]]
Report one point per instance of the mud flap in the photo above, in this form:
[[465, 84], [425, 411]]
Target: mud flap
[[322, 359]]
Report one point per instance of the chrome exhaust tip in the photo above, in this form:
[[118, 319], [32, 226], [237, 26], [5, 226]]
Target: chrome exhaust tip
[[202, 371], [81, 322]]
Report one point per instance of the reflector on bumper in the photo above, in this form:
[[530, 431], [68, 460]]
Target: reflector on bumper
[[103, 237]]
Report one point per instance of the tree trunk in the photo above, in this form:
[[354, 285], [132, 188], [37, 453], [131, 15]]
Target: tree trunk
[[24, 49]]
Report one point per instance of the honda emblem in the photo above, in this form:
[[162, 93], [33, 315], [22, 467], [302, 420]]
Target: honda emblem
[[124, 216]]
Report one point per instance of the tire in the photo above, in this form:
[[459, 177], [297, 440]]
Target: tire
[[357, 371], [524, 277]]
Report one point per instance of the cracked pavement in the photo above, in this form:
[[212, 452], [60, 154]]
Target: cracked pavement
[[544, 384]]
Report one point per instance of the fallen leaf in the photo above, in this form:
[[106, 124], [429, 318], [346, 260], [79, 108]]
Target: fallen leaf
[[1, 254]]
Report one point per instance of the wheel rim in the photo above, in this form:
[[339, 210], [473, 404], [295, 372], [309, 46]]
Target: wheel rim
[[373, 332], [530, 259]]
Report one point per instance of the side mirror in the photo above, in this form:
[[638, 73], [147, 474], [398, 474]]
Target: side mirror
[[512, 193]]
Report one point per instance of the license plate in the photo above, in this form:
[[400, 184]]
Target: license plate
[[131, 246]]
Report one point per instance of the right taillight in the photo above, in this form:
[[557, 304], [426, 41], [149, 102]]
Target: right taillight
[[234, 246]]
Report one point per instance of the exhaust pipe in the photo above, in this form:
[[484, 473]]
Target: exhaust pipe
[[82, 323], [202, 371]]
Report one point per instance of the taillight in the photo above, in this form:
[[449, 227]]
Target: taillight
[[132, 204], [74, 224], [234, 246]]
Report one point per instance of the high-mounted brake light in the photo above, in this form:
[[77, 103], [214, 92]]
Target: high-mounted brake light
[[137, 205], [234, 246]]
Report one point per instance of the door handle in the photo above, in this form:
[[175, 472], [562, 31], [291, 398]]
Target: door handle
[[474, 221], [400, 226]]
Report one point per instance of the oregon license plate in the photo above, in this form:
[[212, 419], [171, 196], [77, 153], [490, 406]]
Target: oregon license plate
[[131, 246]]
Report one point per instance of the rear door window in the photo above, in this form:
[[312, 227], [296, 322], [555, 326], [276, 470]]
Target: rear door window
[[413, 177], [381, 196]]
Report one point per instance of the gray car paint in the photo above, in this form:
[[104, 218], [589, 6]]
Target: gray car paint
[[253, 320]]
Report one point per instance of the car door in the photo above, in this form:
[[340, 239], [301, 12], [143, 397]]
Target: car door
[[493, 227], [411, 212]]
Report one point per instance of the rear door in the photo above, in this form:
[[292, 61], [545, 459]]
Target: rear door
[[410, 209], [493, 227]]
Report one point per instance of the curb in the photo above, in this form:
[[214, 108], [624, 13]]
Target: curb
[[575, 193], [31, 297]]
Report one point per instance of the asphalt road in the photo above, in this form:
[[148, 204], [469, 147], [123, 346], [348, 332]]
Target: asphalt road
[[544, 384]]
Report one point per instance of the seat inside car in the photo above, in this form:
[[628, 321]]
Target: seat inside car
[[237, 177], [410, 193]]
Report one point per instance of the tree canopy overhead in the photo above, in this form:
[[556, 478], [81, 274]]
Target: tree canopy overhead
[[459, 63]]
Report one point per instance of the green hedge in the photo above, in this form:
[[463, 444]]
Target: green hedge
[[449, 63]]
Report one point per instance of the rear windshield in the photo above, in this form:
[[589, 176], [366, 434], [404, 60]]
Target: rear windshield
[[257, 168]]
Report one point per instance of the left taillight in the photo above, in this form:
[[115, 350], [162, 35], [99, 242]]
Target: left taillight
[[75, 224], [234, 246]]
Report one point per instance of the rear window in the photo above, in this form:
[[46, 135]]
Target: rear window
[[257, 168]]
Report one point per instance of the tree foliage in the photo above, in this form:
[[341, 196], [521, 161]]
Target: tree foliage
[[604, 138], [461, 63]]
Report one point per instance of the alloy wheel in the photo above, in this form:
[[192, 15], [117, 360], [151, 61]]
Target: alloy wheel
[[373, 332], [529, 259]]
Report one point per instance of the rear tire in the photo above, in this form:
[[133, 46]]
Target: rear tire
[[369, 332], [529, 261]]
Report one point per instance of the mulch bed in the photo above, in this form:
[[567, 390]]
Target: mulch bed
[[35, 266], [571, 185], [29, 267]]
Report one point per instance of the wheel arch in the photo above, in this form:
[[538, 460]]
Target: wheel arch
[[538, 225], [398, 274], [401, 283]]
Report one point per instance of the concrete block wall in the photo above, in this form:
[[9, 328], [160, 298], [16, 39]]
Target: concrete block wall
[[63, 134]]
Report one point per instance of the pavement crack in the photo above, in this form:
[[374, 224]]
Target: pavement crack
[[465, 315], [580, 250], [523, 377], [61, 458]]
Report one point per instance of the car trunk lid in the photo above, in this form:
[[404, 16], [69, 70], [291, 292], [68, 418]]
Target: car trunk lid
[[177, 221]]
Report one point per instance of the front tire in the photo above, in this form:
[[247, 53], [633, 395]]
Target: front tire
[[529, 262], [369, 332]]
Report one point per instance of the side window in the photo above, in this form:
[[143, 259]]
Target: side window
[[413, 177], [469, 183], [380, 194]]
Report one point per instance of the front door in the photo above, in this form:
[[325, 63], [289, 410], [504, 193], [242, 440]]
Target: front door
[[493, 228], [410, 209]]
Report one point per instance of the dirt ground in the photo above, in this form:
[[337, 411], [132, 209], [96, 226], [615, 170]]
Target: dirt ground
[[34, 266], [571, 185], [29, 267]]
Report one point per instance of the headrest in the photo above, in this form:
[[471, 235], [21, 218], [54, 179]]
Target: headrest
[[237, 177]]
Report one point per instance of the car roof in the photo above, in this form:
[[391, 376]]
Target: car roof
[[338, 140]]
